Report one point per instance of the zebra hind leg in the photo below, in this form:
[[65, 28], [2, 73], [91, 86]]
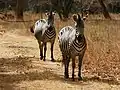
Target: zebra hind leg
[[45, 48], [52, 58], [41, 49], [79, 66]]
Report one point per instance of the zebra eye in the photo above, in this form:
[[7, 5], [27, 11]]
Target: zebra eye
[[75, 24], [61, 33], [37, 23], [77, 33], [53, 13], [47, 14]]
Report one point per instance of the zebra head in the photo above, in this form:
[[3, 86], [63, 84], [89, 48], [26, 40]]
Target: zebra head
[[50, 19], [79, 25]]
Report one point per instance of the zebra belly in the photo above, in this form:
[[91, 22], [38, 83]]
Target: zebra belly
[[38, 35]]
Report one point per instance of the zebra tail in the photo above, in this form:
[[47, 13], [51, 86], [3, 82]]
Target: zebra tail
[[31, 29]]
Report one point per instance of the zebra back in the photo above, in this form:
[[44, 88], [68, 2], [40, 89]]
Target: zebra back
[[37, 26]]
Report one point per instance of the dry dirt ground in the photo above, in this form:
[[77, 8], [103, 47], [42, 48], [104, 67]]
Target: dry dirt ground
[[21, 69]]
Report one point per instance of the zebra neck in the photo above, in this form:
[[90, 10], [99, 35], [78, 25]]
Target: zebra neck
[[79, 39], [51, 28]]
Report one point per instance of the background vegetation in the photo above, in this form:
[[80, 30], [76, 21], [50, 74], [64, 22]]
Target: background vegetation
[[63, 7]]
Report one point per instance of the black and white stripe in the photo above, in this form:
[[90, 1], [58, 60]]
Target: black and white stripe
[[77, 47], [72, 43], [44, 32], [50, 33]]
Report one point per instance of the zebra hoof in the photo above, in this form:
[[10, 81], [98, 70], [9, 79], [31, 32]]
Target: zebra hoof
[[80, 78], [41, 57], [73, 79], [44, 59], [53, 60], [66, 76]]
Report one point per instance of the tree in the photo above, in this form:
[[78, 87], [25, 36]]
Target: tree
[[105, 12], [19, 9], [62, 7]]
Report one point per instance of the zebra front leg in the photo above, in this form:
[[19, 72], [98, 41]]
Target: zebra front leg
[[41, 49], [66, 62], [80, 65], [73, 68], [45, 48], [52, 57]]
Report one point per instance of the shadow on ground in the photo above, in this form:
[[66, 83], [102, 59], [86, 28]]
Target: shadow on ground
[[10, 67]]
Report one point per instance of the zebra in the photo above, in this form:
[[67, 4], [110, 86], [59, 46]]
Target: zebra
[[44, 31], [72, 43]]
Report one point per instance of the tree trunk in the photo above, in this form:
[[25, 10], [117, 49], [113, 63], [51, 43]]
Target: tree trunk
[[105, 12], [19, 9]]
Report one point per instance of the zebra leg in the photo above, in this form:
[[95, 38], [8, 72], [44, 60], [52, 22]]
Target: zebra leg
[[45, 48], [52, 58], [41, 49], [73, 68], [80, 65], [67, 60]]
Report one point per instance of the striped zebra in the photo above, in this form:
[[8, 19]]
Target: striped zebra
[[44, 31], [72, 43]]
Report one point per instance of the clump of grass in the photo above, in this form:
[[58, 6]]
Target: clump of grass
[[102, 56]]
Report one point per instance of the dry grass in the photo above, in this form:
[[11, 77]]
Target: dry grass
[[101, 60], [102, 56]]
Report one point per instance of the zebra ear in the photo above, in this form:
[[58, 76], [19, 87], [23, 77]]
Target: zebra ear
[[75, 17], [53, 13], [47, 13], [84, 18]]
